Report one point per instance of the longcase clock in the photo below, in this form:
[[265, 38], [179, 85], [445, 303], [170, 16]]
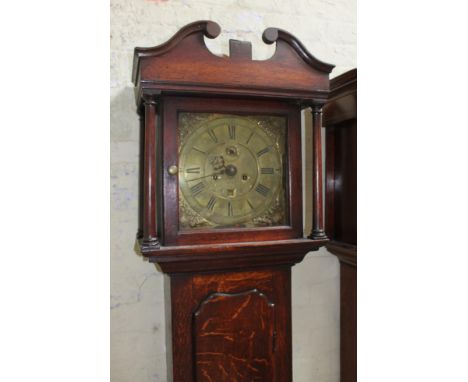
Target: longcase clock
[[221, 196]]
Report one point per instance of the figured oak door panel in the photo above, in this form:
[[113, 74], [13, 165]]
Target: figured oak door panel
[[234, 338], [231, 326]]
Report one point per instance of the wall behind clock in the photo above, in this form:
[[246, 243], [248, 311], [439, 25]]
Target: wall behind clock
[[328, 30]]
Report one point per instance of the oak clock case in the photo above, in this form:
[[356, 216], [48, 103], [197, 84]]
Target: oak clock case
[[229, 163], [221, 199]]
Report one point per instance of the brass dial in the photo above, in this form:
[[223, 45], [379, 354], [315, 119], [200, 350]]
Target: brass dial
[[231, 171]]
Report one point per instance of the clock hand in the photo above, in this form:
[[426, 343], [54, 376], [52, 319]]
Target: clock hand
[[218, 165], [206, 176]]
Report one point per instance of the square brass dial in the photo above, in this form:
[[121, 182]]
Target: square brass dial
[[232, 171]]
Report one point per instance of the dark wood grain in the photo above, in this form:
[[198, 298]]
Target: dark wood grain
[[340, 120]]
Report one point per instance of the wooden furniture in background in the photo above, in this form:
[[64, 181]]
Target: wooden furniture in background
[[229, 289], [340, 120]]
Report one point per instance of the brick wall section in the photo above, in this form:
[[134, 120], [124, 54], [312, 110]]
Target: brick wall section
[[328, 30]]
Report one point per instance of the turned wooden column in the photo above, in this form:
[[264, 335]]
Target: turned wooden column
[[318, 227], [150, 231]]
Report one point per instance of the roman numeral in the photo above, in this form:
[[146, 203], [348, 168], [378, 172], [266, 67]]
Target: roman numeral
[[262, 190], [250, 204], [230, 209], [193, 170], [195, 190], [213, 136], [266, 170], [211, 203], [263, 151], [232, 131]]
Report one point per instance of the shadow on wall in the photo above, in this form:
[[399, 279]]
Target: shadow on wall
[[125, 174]]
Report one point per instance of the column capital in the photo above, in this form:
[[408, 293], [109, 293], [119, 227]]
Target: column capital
[[312, 105], [316, 108], [149, 99]]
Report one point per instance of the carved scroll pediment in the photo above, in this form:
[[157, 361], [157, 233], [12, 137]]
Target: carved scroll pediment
[[184, 64]]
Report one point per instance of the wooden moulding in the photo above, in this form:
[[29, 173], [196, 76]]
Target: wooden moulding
[[347, 253], [342, 102], [209, 257], [185, 65]]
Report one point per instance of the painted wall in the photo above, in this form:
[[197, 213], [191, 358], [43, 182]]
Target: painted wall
[[328, 29]]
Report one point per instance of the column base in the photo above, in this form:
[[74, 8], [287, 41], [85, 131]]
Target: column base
[[150, 243], [318, 235]]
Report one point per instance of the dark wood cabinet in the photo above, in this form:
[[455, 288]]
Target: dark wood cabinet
[[340, 120], [221, 196]]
